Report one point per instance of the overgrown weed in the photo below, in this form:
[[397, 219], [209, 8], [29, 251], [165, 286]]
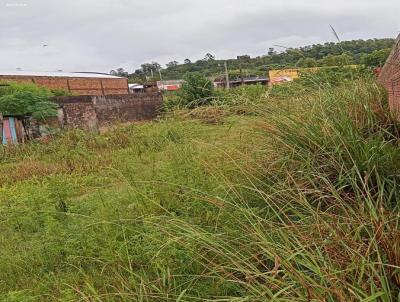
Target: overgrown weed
[[297, 202]]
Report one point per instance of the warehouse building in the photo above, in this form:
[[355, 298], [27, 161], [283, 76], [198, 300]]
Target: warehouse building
[[78, 83]]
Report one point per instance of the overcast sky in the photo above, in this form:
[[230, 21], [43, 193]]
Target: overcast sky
[[100, 35]]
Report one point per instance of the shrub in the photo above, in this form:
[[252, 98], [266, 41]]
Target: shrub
[[171, 102], [376, 58], [60, 92], [196, 91], [307, 62], [27, 99], [339, 60]]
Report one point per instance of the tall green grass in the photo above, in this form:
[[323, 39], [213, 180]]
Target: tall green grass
[[329, 226], [296, 202]]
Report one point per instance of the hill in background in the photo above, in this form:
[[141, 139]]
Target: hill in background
[[372, 52]]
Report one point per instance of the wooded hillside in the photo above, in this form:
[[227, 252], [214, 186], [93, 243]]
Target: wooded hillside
[[371, 52]]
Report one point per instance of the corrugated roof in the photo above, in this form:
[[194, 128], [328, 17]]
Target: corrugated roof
[[59, 74], [170, 82], [136, 86], [245, 80]]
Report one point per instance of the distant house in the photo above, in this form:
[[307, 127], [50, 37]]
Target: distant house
[[244, 81], [171, 85], [78, 83]]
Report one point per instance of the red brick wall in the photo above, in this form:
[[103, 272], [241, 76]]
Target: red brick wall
[[78, 86], [51, 83], [390, 78]]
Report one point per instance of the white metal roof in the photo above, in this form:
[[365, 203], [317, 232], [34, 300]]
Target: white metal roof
[[136, 86], [59, 74]]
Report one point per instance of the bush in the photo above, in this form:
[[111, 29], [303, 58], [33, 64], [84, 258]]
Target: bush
[[377, 58], [339, 60], [27, 99], [60, 92], [170, 102], [307, 62], [196, 91]]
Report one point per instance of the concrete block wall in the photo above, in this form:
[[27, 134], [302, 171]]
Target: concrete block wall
[[125, 108], [90, 112], [390, 78], [77, 113]]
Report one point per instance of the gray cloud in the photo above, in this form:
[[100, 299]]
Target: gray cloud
[[88, 35]]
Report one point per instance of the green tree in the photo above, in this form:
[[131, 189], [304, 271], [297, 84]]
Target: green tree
[[172, 64], [244, 58], [377, 58], [197, 90], [339, 60], [307, 62], [289, 58], [149, 67], [271, 51], [209, 57], [120, 72], [27, 99]]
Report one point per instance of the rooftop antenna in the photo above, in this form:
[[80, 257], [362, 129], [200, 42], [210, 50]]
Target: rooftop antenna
[[228, 86]]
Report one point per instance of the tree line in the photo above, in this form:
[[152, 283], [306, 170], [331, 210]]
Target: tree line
[[372, 52]]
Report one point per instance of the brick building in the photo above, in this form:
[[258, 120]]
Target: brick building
[[77, 83], [390, 77]]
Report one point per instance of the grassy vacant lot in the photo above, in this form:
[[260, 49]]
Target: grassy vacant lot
[[262, 198]]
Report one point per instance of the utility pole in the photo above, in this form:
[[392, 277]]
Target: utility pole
[[159, 71], [228, 84], [152, 74], [241, 72]]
